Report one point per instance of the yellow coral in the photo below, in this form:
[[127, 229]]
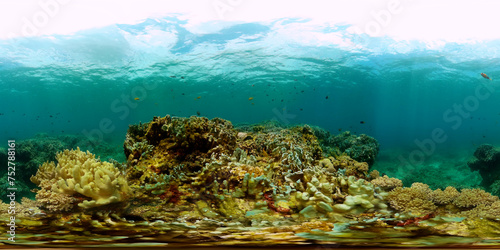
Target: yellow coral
[[415, 199], [470, 198], [484, 211], [352, 167], [81, 173], [387, 183], [445, 197]]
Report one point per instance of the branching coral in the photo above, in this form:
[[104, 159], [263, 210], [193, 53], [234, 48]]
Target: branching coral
[[491, 211], [350, 166], [415, 199], [387, 183], [444, 197], [470, 198], [79, 174]]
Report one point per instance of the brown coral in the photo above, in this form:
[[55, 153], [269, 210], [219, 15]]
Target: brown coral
[[352, 167], [484, 211], [415, 199], [444, 197], [470, 198], [387, 183]]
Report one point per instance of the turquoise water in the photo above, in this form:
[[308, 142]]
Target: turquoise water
[[399, 92]]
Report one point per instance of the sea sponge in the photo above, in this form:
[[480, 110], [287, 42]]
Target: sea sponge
[[470, 198], [387, 183], [444, 197], [80, 174]]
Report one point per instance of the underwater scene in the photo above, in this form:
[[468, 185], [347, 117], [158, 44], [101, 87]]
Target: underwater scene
[[259, 124]]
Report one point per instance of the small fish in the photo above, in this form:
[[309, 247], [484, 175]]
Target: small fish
[[182, 77], [137, 99], [301, 109], [326, 97], [251, 98], [485, 76], [198, 113], [199, 97], [340, 129], [362, 122], [173, 76]]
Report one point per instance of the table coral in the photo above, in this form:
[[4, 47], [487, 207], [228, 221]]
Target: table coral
[[84, 177]]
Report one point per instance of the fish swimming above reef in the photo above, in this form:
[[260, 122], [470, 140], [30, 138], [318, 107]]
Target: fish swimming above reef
[[485, 76]]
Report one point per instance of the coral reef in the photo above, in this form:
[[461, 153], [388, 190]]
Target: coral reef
[[31, 153], [469, 198], [362, 197], [444, 197], [79, 178], [361, 148], [386, 183], [195, 178], [415, 199], [486, 161]]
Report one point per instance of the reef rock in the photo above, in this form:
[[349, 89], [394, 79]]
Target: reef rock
[[361, 148], [487, 162]]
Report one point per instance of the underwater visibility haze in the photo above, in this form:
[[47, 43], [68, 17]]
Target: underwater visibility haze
[[281, 132]]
